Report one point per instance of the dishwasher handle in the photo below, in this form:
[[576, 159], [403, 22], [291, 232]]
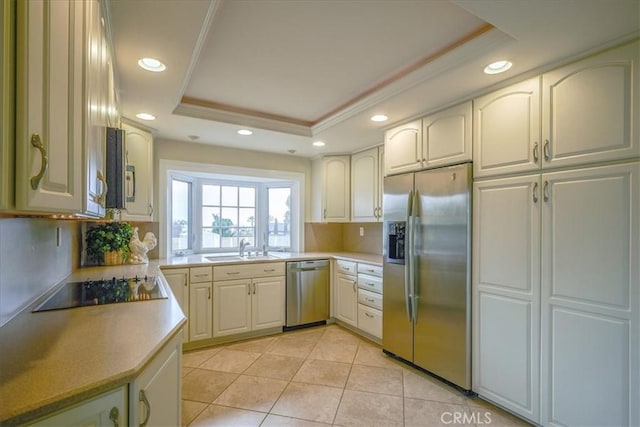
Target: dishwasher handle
[[297, 270]]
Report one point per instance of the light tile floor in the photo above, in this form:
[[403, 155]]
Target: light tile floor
[[319, 377]]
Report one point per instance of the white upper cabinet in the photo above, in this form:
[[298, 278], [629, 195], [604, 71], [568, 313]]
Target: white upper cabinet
[[507, 130], [403, 148], [446, 136], [138, 145], [7, 100], [366, 188], [49, 106], [336, 188], [590, 109]]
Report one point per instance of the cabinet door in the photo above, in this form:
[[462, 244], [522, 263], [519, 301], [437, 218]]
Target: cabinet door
[[7, 103], [105, 410], [590, 296], [446, 137], [335, 194], [232, 307], [155, 398], [590, 109], [178, 279], [403, 148], [346, 299], [95, 138], [506, 292], [138, 175], [268, 302], [200, 311], [49, 106], [506, 136], [365, 205]]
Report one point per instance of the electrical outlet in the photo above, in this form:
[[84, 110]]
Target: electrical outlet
[[361, 231]]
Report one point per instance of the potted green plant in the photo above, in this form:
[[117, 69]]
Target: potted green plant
[[108, 243]]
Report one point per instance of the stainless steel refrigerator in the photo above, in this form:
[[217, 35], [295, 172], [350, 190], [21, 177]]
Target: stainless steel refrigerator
[[427, 271]]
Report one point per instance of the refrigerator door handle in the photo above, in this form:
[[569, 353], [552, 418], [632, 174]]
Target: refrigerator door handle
[[415, 217], [408, 278]]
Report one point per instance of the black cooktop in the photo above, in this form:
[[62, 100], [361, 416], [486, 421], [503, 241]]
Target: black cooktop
[[104, 291]]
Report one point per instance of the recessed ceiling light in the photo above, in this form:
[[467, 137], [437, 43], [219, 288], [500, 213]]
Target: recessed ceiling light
[[379, 118], [152, 64], [497, 67], [145, 116], [245, 132], [318, 144]]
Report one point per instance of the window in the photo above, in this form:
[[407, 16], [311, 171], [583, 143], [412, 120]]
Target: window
[[212, 214]]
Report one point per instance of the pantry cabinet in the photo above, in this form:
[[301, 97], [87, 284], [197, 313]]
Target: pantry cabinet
[[335, 188], [556, 262], [108, 409], [366, 185], [138, 145], [49, 106], [507, 130], [7, 102], [155, 396]]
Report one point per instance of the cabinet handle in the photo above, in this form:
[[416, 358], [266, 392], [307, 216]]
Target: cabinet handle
[[143, 398], [37, 143], [248, 288], [208, 293], [535, 192], [185, 279], [545, 191], [324, 214], [254, 288], [354, 286], [536, 155], [546, 150], [368, 315], [101, 198], [150, 209], [114, 416], [269, 270], [231, 273], [370, 299], [201, 275]]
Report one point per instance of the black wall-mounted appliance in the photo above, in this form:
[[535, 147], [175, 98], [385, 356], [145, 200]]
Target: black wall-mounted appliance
[[115, 168]]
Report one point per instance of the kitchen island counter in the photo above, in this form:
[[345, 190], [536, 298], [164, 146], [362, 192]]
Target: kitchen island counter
[[53, 359]]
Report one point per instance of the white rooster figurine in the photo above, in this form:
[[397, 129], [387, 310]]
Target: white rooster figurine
[[139, 248]]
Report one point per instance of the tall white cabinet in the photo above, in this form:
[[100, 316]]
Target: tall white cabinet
[[556, 271]]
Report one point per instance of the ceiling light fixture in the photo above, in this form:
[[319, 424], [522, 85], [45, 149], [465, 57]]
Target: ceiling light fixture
[[318, 144], [145, 116], [152, 64], [379, 118], [497, 67], [245, 132]]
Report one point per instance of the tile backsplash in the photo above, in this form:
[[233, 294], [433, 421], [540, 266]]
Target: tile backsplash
[[35, 254], [343, 237]]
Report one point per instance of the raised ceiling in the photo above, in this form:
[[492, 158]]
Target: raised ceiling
[[299, 71]]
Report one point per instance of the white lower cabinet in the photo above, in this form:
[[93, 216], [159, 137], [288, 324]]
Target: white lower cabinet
[[108, 409], [346, 299], [253, 301], [155, 396], [557, 262], [178, 280], [200, 303]]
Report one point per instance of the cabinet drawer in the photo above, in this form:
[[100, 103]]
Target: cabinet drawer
[[370, 298], [372, 270], [200, 274], [370, 283], [370, 320], [243, 271], [346, 267]]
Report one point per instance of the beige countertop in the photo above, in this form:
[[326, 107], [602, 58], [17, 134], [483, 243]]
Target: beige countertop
[[203, 260], [53, 359]]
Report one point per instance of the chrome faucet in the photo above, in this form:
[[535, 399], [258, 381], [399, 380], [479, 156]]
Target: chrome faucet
[[243, 244]]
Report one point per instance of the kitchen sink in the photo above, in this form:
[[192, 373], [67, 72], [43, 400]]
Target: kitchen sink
[[215, 258]]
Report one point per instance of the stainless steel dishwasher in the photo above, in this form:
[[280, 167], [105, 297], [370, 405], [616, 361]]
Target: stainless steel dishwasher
[[307, 292]]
